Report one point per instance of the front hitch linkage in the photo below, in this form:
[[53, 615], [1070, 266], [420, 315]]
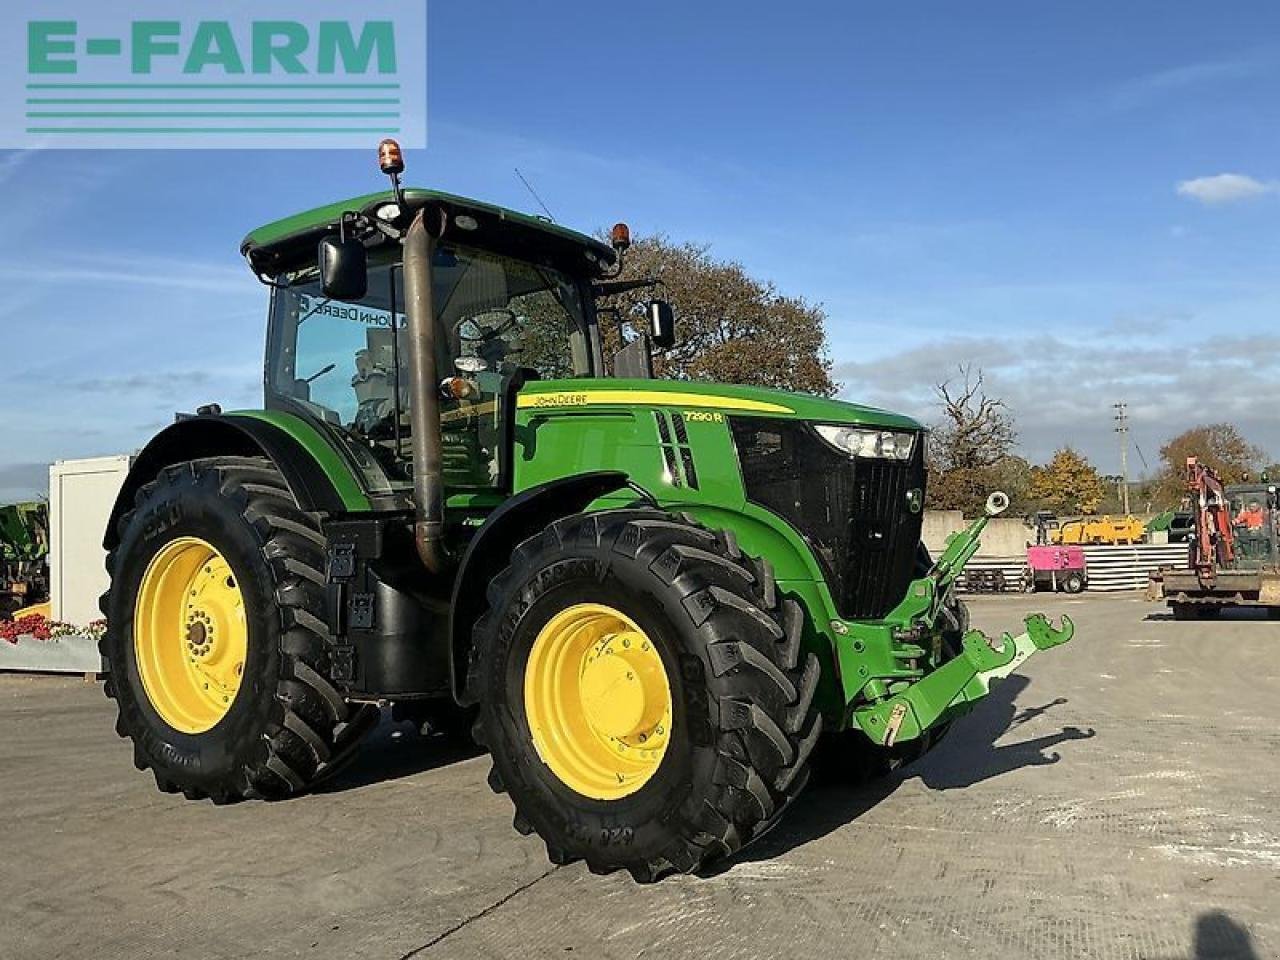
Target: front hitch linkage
[[953, 688]]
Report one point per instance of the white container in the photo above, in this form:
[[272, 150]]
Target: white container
[[64, 655], [81, 495]]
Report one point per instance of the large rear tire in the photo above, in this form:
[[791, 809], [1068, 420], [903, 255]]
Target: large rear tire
[[643, 692], [215, 634]]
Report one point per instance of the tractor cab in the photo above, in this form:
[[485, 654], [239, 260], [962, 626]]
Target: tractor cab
[[1255, 520], [515, 302]]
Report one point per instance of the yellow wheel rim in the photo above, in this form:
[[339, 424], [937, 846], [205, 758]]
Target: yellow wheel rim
[[190, 637], [598, 701]]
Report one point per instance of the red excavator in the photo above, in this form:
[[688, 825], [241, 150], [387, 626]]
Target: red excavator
[[1233, 553], [1212, 544]]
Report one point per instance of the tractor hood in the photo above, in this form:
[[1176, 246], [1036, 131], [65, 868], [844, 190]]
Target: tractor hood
[[725, 398]]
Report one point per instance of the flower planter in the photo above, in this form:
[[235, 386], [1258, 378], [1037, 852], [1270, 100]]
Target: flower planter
[[70, 654]]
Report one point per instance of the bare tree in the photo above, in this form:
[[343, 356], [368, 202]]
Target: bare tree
[[970, 445]]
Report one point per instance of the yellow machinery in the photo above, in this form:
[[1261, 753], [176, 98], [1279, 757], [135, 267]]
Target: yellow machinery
[[1100, 530]]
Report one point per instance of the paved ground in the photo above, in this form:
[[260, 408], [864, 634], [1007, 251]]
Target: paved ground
[[1120, 801]]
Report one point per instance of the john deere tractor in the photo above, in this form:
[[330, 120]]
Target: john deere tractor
[[655, 599]]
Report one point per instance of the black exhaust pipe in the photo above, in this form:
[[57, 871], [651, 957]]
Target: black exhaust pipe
[[424, 392]]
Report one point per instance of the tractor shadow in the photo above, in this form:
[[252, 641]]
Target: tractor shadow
[[970, 754], [1219, 937], [394, 750]]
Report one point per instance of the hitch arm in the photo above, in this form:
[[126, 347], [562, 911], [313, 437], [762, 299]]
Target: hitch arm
[[962, 545], [955, 687]]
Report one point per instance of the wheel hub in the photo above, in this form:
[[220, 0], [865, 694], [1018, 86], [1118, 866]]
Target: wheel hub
[[598, 701], [190, 634], [620, 687]]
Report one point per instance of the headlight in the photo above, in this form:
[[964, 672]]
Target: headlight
[[859, 442]]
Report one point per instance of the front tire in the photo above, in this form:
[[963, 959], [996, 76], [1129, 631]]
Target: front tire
[[641, 635], [215, 634]]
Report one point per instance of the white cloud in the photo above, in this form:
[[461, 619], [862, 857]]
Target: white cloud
[[1224, 188], [1060, 388], [1142, 90]]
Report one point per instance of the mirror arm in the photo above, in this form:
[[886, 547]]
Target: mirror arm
[[608, 288]]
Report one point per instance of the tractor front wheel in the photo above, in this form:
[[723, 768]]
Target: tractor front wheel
[[643, 692], [215, 637]]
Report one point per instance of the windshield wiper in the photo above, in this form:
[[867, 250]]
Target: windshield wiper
[[319, 373]]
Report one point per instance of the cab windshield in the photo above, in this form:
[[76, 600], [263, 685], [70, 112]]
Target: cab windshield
[[345, 364], [1254, 523]]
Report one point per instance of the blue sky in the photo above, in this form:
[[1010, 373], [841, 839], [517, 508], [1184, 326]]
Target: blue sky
[[1080, 198]]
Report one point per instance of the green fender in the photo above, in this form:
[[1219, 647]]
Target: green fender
[[316, 474]]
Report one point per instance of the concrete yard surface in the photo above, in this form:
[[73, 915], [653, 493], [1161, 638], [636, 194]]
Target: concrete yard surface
[[1119, 800]]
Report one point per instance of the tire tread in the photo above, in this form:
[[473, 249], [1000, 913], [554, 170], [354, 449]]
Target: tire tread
[[306, 710]]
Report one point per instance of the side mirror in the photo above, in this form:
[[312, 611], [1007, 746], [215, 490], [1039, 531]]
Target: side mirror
[[344, 268], [662, 324]]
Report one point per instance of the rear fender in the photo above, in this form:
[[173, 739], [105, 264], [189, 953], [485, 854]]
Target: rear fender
[[194, 438]]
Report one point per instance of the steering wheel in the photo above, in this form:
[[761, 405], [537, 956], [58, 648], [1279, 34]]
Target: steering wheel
[[490, 325]]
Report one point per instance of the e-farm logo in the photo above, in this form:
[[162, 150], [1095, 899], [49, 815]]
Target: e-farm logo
[[205, 74]]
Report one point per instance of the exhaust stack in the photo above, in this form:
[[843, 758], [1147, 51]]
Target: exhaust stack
[[424, 408]]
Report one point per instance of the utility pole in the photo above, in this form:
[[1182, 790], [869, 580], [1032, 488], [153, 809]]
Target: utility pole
[[1122, 428]]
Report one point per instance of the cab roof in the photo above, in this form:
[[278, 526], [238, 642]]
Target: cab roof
[[282, 244]]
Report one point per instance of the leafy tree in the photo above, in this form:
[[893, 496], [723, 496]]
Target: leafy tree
[[1013, 476], [1217, 445], [971, 445], [1068, 483], [731, 327]]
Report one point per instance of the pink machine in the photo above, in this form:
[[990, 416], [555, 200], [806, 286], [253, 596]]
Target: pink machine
[[1056, 568]]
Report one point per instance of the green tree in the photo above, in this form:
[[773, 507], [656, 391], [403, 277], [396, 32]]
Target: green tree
[[1068, 483], [1216, 445], [1013, 476], [971, 448], [731, 327]]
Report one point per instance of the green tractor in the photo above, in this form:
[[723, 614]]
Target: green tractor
[[24, 556], [651, 601]]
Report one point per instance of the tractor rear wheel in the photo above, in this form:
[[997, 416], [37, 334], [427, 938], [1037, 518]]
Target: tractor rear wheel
[[643, 692], [215, 637]]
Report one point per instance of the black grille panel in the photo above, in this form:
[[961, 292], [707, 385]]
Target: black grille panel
[[854, 513]]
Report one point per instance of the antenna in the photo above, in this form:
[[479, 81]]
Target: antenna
[[534, 193]]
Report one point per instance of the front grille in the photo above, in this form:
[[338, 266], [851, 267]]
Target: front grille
[[853, 512]]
